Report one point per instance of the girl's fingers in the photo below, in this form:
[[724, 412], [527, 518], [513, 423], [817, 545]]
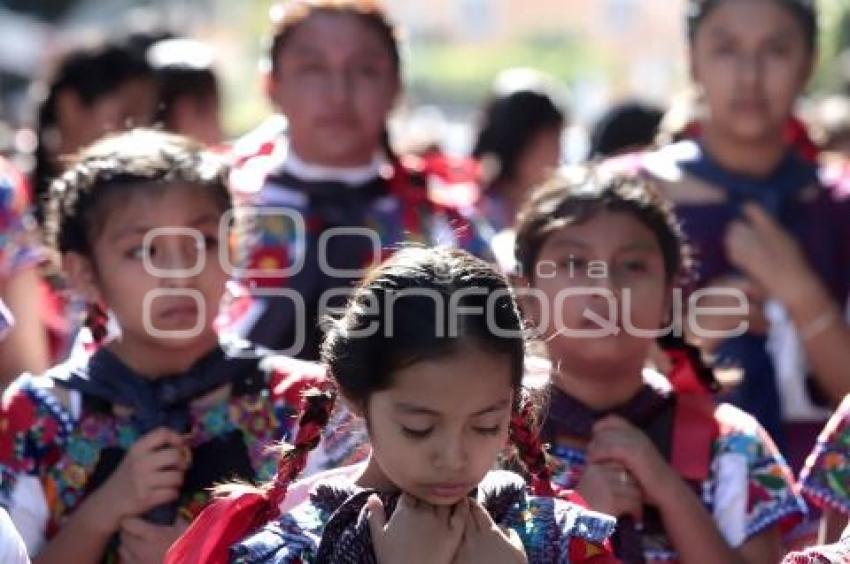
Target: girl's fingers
[[478, 516], [160, 496], [377, 516], [164, 479], [759, 218], [165, 458], [460, 515], [157, 439]]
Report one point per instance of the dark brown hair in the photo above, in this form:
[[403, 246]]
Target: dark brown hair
[[804, 11], [575, 197], [361, 354], [286, 19], [141, 159]]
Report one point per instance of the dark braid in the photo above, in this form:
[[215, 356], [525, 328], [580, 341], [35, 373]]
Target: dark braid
[[318, 406], [525, 437]]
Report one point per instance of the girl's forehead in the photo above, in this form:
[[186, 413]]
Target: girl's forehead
[[472, 373], [603, 228], [185, 205], [752, 19], [325, 31]]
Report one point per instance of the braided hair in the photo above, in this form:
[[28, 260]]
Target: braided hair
[[360, 362]]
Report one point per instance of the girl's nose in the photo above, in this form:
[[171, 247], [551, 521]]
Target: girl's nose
[[452, 455]]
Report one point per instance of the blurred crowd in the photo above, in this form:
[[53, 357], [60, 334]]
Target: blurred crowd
[[174, 303]]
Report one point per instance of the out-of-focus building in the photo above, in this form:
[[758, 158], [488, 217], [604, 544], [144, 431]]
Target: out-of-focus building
[[642, 40]]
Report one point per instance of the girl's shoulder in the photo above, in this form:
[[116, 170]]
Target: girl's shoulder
[[552, 529], [32, 399], [665, 167], [295, 536], [740, 433], [255, 155], [35, 423], [825, 477], [556, 530], [445, 181]]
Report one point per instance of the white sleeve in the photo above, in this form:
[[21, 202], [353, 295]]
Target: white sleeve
[[29, 513], [12, 548], [730, 497]]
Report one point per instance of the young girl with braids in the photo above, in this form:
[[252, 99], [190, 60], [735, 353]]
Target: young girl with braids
[[690, 481], [429, 351], [108, 455], [335, 74]]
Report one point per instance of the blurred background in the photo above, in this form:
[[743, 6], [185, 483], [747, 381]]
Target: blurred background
[[596, 52]]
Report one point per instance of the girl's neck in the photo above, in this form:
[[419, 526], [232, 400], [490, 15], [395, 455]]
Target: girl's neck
[[599, 387], [155, 362], [755, 159]]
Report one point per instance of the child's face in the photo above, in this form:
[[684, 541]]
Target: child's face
[[119, 278], [751, 59], [539, 158], [438, 430], [611, 267], [336, 83]]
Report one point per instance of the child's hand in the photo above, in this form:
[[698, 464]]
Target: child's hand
[[144, 543], [617, 440], [484, 541], [417, 532], [768, 254], [608, 487], [150, 474]]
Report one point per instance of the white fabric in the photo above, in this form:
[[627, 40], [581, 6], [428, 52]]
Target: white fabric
[[789, 361], [7, 320], [730, 497], [299, 491], [12, 548], [352, 176], [29, 513]]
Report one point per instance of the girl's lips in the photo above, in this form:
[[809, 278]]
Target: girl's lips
[[181, 311]]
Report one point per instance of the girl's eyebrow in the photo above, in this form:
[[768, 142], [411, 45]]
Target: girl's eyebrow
[[568, 242], [412, 409], [134, 230], [638, 246]]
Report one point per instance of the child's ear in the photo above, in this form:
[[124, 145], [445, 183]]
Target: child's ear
[[81, 274], [273, 90]]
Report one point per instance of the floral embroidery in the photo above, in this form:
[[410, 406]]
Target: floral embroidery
[[771, 499], [41, 439], [825, 479]]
